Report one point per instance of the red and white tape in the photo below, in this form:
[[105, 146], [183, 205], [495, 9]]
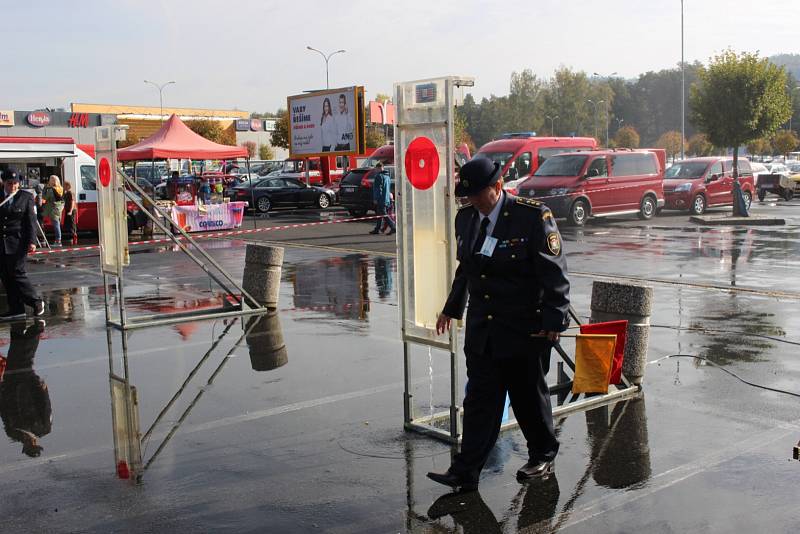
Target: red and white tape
[[207, 235]]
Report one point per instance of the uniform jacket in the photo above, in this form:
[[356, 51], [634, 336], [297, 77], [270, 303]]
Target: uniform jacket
[[17, 223], [518, 291], [381, 189]]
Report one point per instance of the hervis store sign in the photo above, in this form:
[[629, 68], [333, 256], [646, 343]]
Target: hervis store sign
[[38, 118], [6, 117]]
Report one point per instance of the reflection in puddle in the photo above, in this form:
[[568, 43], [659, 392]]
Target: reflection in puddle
[[24, 398]]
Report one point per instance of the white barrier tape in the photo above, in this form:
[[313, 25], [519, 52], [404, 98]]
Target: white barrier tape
[[207, 235]]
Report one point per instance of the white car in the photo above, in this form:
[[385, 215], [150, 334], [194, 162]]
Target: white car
[[778, 168], [758, 168]]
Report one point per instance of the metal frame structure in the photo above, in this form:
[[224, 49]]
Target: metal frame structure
[[435, 424], [237, 302], [128, 438]]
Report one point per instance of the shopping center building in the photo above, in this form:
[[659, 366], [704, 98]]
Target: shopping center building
[[142, 121]]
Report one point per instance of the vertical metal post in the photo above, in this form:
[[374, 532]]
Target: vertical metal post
[[408, 406], [683, 90]]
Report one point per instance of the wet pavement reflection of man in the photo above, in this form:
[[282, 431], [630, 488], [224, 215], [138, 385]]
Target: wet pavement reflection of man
[[512, 267], [24, 399]]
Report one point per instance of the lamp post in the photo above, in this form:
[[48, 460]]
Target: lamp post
[[683, 91], [594, 120], [607, 78], [160, 96], [326, 58], [552, 123], [619, 122]]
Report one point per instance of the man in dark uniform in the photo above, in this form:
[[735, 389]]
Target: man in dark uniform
[[513, 269], [17, 235]]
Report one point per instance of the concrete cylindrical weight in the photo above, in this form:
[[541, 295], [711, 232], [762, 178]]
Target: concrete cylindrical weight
[[262, 273], [265, 341], [613, 301]]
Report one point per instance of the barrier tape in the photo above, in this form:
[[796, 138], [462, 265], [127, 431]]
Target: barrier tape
[[207, 235]]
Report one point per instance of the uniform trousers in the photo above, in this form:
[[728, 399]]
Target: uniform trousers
[[19, 290], [490, 377]]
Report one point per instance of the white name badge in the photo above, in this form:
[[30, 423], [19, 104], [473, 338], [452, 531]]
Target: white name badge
[[488, 246]]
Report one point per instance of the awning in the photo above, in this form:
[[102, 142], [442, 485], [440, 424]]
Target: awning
[[35, 155]]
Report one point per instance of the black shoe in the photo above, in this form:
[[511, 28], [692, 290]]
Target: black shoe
[[38, 308], [375, 232], [536, 470], [393, 231], [12, 316], [460, 483]]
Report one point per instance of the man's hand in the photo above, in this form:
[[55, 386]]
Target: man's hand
[[31, 248], [442, 324], [552, 336]]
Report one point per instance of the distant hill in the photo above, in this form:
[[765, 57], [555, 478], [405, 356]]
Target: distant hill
[[790, 61]]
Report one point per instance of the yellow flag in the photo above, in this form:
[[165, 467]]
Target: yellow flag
[[594, 354]]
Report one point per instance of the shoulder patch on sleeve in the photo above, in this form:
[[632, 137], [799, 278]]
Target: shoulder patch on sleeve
[[554, 243], [529, 202]]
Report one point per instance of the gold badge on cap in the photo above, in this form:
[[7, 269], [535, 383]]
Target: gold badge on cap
[[465, 183], [554, 243]]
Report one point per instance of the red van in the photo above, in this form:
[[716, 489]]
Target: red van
[[600, 183], [699, 183], [520, 154]]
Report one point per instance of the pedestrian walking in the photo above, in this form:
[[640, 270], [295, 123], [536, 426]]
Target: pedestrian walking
[[17, 237], [513, 269], [382, 198], [53, 197], [70, 214]]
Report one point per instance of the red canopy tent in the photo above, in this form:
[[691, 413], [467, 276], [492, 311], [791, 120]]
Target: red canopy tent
[[176, 140]]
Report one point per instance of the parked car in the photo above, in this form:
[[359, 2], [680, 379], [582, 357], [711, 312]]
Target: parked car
[[520, 154], [794, 172], [355, 190], [274, 192], [699, 183], [779, 168], [758, 169], [600, 183]]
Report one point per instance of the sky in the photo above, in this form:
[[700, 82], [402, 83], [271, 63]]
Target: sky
[[251, 54]]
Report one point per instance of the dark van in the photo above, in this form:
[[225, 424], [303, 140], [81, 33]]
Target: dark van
[[600, 183]]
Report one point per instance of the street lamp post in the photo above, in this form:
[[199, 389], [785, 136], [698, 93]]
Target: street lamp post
[[607, 78], [326, 58], [619, 122], [594, 119], [160, 96], [683, 91], [552, 123]]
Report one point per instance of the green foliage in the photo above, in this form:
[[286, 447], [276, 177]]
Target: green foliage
[[280, 137], [699, 145], [626, 137], [251, 148], [266, 152], [760, 147], [375, 136], [671, 142], [740, 97], [460, 131], [212, 130], [785, 141]]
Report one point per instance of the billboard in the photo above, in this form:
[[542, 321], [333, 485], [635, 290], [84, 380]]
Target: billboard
[[327, 122]]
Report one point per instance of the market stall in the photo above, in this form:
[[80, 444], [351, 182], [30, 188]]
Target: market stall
[[188, 205]]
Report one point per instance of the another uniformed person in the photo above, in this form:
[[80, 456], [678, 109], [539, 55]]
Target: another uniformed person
[[513, 269], [17, 239]]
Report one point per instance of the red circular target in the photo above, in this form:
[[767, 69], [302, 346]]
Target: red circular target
[[105, 172], [422, 163]]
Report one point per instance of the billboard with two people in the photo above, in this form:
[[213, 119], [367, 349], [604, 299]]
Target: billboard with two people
[[327, 123]]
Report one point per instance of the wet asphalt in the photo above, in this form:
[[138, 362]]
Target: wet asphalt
[[299, 427]]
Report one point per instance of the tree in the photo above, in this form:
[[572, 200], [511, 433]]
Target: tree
[[785, 141], [699, 145], [375, 137], [251, 148], [212, 130], [280, 136], [266, 152], [627, 137], [760, 146], [739, 98], [671, 142]]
